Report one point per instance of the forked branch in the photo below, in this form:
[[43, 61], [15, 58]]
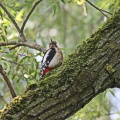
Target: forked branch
[[14, 22], [27, 44], [102, 11]]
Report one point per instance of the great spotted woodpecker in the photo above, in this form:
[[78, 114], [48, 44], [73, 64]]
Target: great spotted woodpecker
[[52, 57]]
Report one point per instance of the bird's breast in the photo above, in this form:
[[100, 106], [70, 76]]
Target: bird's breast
[[56, 60]]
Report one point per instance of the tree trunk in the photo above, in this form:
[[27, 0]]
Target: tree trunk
[[91, 69]]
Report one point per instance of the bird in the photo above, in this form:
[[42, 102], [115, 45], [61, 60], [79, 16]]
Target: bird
[[52, 58]]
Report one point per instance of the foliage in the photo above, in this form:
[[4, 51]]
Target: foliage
[[63, 21], [110, 5]]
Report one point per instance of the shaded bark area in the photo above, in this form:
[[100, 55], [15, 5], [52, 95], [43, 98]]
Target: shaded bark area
[[91, 69]]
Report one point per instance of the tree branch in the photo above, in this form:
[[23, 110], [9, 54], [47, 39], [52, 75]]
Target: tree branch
[[27, 44], [13, 62], [102, 11], [14, 22], [17, 53], [26, 19], [7, 81]]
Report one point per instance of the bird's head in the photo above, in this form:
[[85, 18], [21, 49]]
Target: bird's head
[[52, 44]]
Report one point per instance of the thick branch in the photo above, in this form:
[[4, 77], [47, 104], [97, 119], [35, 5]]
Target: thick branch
[[26, 19], [27, 44], [70, 87], [7, 81]]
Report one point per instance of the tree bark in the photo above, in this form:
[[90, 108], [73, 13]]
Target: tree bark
[[91, 69]]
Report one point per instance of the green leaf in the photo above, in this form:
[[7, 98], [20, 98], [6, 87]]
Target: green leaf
[[63, 1], [112, 92], [47, 5], [23, 59], [4, 38], [54, 10], [19, 15]]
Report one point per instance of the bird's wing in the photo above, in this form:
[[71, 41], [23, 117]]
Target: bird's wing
[[48, 56]]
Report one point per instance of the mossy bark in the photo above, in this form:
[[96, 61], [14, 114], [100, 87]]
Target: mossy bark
[[90, 70]]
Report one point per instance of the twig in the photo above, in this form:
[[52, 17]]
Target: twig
[[102, 11], [106, 11], [26, 19], [17, 53], [13, 62], [17, 45], [14, 22], [27, 44], [7, 81]]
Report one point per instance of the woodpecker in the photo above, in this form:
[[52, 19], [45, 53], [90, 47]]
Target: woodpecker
[[52, 57]]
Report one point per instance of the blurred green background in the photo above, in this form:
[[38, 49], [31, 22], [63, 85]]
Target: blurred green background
[[65, 22]]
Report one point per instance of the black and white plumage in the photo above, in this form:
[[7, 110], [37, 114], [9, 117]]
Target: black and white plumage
[[52, 57]]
